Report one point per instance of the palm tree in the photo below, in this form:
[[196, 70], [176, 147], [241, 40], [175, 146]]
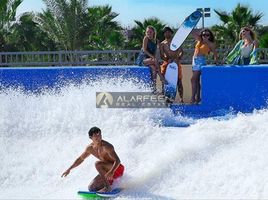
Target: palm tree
[[64, 22], [264, 41], [27, 36], [104, 32], [139, 31], [263, 36], [8, 10], [232, 22]]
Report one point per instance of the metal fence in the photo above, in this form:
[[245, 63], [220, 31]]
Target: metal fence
[[91, 58]]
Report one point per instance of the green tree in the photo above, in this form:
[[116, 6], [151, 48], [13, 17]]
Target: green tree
[[8, 9], [65, 23], [104, 32], [139, 31], [27, 36], [232, 22], [261, 30], [264, 41]]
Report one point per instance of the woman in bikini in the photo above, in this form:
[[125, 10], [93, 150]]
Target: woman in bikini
[[147, 55], [205, 44]]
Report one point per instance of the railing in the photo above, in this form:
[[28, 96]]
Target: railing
[[65, 58], [90, 58]]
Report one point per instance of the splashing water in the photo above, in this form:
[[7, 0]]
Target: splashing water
[[42, 134]]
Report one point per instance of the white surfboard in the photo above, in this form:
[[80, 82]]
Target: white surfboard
[[185, 29], [171, 76]]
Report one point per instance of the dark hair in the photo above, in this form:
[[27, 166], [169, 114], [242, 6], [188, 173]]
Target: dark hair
[[167, 29], [93, 130], [211, 37]]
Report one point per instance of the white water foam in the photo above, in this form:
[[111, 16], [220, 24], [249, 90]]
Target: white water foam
[[41, 136]]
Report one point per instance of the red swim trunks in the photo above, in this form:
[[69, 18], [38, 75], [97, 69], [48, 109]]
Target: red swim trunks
[[118, 173]]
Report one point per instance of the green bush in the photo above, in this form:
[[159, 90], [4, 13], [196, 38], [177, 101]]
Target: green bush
[[264, 41]]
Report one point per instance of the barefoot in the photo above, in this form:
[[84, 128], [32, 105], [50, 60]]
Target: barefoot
[[169, 100], [198, 101], [192, 101], [105, 189]]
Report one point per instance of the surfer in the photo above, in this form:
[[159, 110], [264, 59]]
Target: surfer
[[205, 44], [147, 55], [108, 166], [169, 56]]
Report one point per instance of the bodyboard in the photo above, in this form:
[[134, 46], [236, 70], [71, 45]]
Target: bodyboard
[[185, 29], [110, 194], [171, 76], [87, 194], [90, 194]]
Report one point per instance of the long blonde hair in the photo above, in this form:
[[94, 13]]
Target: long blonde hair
[[251, 32], [152, 28]]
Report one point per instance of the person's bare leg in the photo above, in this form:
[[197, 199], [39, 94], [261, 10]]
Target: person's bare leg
[[180, 90], [151, 63], [96, 184], [194, 85], [103, 168], [198, 88], [158, 71], [154, 76]]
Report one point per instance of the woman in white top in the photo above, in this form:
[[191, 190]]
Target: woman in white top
[[245, 51]]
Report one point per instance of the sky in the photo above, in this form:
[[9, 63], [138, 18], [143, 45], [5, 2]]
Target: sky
[[171, 12]]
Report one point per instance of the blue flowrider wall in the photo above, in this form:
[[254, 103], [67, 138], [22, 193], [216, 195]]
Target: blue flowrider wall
[[228, 89], [36, 78], [225, 89]]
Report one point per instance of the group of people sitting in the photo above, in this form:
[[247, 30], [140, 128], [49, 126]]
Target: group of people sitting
[[244, 53]]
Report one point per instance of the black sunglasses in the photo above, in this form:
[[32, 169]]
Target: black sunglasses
[[244, 30], [206, 34]]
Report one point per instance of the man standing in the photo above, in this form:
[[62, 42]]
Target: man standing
[[169, 56], [108, 166]]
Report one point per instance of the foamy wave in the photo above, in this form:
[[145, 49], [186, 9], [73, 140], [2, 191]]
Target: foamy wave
[[43, 133]]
